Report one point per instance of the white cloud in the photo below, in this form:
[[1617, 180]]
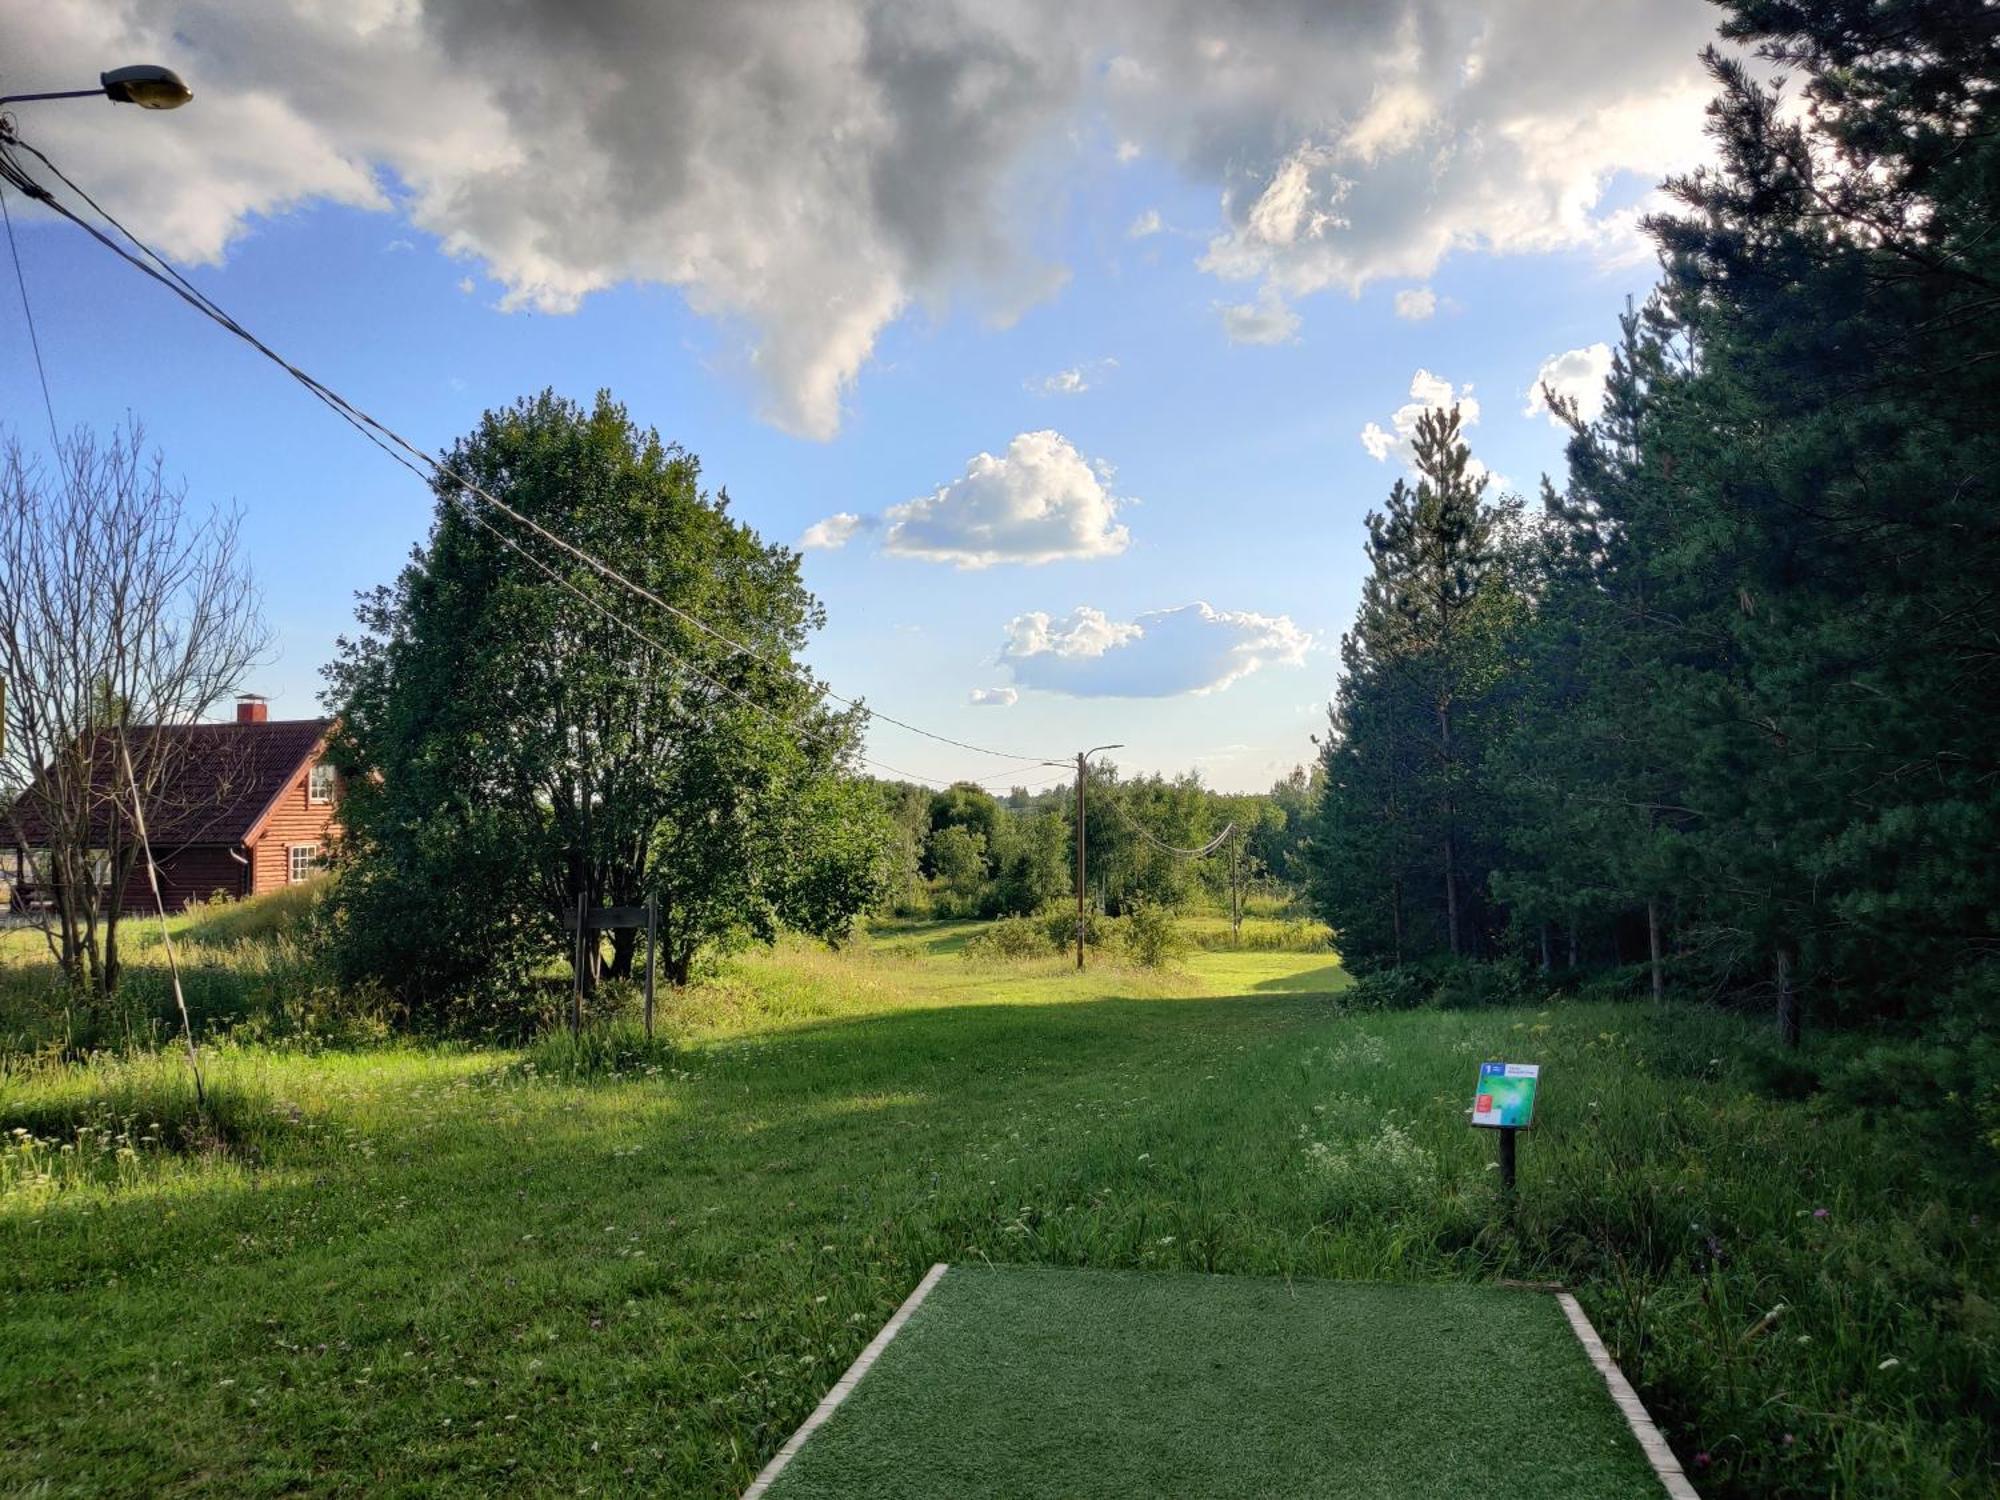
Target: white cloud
[[1000, 697], [1041, 501], [830, 535], [805, 172], [1147, 223], [1428, 392], [1577, 375], [466, 285], [1073, 381], [1160, 654], [1266, 321], [1416, 303]]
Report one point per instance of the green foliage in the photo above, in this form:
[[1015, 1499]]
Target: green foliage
[[1726, 707], [513, 750], [1012, 939], [1404, 836], [609, 1051], [1150, 936]]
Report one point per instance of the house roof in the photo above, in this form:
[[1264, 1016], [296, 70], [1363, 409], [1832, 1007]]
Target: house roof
[[219, 782]]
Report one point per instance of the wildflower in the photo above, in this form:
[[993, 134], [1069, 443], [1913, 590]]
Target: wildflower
[[1786, 1441], [1702, 1460], [1821, 1213]]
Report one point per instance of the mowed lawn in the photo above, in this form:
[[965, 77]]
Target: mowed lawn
[[437, 1271]]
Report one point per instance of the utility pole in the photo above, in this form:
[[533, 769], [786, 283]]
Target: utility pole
[[1082, 779]]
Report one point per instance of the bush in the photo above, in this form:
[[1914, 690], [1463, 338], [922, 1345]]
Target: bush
[[1012, 939], [1152, 940], [1060, 924], [1390, 989], [1447, 983]]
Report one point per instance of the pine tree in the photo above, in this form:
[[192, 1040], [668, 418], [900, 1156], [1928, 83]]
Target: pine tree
[[1403, 841]]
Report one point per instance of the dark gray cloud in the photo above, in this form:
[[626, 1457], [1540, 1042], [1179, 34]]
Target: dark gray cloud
[[805, 171]]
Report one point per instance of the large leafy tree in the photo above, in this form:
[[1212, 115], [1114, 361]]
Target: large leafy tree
[[527, 736]]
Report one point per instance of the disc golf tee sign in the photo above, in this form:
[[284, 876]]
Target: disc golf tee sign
[[1505, 1099]]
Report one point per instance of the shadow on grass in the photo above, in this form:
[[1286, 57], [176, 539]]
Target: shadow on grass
[[1328, 979]]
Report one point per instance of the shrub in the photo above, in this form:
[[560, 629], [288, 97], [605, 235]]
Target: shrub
[[1389, 989], [1060, 924], [1013, 939], [1152, 940]]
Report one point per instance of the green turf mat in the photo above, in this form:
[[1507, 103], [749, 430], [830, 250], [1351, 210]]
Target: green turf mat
[[1034, 1382]]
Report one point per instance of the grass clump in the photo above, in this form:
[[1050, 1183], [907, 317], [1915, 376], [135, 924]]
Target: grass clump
[[609, 1050]]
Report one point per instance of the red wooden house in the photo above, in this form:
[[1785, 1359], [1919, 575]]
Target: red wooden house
[[243, 808]]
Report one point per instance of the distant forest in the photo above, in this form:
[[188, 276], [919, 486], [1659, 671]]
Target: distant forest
[[965, 852]]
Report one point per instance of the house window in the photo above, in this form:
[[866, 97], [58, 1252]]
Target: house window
[[306, 859], [320, 784]]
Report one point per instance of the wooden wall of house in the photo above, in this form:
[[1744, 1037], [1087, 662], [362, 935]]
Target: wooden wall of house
[[190, 874], [293, 821]]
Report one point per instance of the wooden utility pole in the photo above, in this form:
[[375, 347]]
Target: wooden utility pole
[[1082, 923], [1082, 779]]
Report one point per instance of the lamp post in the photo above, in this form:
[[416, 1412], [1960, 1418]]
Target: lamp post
[[145, 84]]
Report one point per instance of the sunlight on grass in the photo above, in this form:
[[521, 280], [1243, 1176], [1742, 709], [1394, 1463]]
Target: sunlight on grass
[[641, 1267]]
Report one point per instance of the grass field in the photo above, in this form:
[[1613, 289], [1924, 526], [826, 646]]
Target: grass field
[[414, 1270], [1096, 1385]]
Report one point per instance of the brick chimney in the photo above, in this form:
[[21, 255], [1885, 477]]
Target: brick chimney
[[251, 708]]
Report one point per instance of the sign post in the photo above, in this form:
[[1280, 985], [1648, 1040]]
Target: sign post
[[1505, 1102], [586, 919]]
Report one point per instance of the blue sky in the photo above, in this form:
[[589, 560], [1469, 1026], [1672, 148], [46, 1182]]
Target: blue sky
[[1236, 469]]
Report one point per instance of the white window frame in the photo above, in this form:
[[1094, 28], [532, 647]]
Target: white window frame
[[318, 795], [298, 872]]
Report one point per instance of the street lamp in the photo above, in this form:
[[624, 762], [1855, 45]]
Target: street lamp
[[145, 84]]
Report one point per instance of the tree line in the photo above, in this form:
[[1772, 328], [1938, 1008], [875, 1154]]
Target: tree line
[[965, 852], [1723, 704]]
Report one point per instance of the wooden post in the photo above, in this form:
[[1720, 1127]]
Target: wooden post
[[576, 979], [1235, 893], [1653, 950], [1081, 776], [1507, 1160], [652, 932]]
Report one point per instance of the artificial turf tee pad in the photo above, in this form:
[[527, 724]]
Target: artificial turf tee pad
[[1030, 1382]]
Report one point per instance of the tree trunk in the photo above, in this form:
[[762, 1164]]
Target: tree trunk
[[1653, 944], [624, 944], [1572, 947], [1788, 1000], [1451, 894], [1546, 965], [1396, 916], [679, 964]]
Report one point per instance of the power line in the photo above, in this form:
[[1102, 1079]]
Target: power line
[[34, 340], [164, 273], [1205, 850]]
